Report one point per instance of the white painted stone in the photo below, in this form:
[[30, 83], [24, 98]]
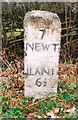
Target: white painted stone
[[42, 36]]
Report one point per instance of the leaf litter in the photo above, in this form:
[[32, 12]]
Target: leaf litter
[[61, 106]]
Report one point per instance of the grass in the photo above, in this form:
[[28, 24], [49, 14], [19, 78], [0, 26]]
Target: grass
[[63, 105]]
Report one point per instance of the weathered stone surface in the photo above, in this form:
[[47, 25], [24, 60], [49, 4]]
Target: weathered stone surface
[[42, 36]]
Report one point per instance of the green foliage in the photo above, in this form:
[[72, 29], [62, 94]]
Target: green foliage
[[14, 104], [63, 105], [13, 32]]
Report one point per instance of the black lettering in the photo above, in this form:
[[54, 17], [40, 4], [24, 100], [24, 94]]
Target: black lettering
[[37, 71], [42, 33], [29, 71], [44, 71], [37, 46], [31, 46], [55, 46], [45, 83], [45, 47], [38, 83], [52, 72]]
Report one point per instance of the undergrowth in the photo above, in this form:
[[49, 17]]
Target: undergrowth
[[63, 105]]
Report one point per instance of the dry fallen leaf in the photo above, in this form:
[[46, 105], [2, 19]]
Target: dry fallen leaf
[[37, 104], [32, 115], [61, 109], [34, 100], [60, 90], [50, 113], [65, 116], [70, 110], [56, 110], [39, 117]]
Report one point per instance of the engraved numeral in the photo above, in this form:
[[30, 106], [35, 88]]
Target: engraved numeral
[[44, 82], [42, 33], [39, 83]]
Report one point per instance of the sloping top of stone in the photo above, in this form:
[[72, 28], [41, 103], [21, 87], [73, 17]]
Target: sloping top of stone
[[44, 14]]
